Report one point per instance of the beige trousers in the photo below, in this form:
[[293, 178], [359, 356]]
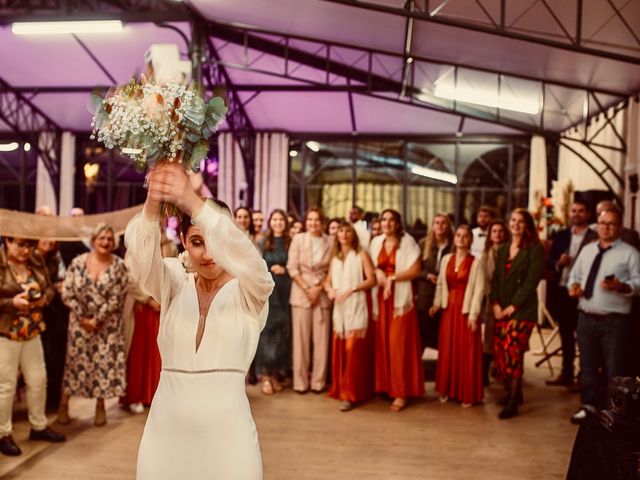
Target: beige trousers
[[310, 326], [28, 358]]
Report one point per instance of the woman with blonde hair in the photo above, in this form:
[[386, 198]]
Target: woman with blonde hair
[[94, 289], [459, 295], [351, 275], [398, 357], [435, 245]]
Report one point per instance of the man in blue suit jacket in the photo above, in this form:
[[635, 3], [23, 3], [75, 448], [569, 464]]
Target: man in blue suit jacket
[[565, 248]]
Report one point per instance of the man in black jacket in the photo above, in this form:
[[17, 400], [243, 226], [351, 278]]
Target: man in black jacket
[[565, 248]]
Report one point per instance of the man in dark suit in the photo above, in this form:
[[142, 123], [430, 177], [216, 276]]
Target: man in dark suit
[[565, 248]]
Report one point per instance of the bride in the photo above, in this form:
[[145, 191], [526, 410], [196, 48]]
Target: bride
[[214, 305]]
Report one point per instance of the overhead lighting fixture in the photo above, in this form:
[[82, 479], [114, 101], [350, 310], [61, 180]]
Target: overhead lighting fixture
[[8, 147], [434, 174], [314, 146], [58, 28], [27, 147], [293, 153], [503, 100]]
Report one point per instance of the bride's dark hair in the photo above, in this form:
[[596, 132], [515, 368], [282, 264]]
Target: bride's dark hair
[[218, 205]]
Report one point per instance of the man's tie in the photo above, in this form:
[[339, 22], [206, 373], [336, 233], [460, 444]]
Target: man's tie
[[593, 273]]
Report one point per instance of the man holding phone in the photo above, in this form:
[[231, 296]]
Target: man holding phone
[[604, 278]]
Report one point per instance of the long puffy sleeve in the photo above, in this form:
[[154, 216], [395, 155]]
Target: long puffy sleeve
[[237, 255], [158, 277]]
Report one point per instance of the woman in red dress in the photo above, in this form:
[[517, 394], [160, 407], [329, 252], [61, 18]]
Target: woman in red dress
[[398, 363], [351, 275], [459, 294]]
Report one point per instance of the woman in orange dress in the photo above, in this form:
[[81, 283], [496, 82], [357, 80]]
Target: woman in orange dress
[[398, 363], [459, 294], [351, 275]]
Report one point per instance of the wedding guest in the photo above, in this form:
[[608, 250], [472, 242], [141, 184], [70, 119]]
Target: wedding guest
[[257, 218], [56, 315], [244, 221], [24, 290], [94, 289], [375, 228], [70, 250], [398, 363], [519, 267], [351, 275], [483, 219], [565, 248], [497, 236], [434, 247], [296, 227], [356, 217], [332, 227], [459, 295], [605, 277], [273, 358], [627, 235], [308, 264]]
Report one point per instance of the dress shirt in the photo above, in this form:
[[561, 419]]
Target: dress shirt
[[620, 260], [574, 249]]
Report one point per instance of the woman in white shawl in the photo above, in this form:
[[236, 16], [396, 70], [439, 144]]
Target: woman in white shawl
[[398, 356], [351, 275]]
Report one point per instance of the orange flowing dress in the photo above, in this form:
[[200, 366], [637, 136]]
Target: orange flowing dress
[[398, 356], [459, 368], [352, 365]]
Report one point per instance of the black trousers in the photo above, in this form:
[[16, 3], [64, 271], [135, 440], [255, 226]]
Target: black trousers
[[565, 311]]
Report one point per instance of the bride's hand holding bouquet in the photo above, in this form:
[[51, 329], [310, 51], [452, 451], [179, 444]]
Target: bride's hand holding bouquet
[[169, 183]]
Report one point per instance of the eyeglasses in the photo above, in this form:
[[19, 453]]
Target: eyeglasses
[[607, 224]]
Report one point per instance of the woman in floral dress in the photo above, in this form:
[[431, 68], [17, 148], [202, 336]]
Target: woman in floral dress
[[94, 290]]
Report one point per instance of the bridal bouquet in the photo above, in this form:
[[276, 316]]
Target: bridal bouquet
[[151, 122]]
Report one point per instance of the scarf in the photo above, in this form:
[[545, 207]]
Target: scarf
[[352, 313]]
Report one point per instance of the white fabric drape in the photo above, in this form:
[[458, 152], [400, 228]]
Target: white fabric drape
[[67, 170], [537, 172], [232, 180], [272, 172], [633, 158], [45, 193], [570, 167]]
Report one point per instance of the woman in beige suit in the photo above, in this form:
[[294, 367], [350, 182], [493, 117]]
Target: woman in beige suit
[[308, 264]]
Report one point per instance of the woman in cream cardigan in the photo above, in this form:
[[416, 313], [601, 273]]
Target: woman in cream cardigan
[[459, 293]]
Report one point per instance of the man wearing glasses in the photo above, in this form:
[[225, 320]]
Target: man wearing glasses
[[604, 278]]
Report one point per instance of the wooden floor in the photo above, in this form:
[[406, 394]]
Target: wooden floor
[[307, 438]]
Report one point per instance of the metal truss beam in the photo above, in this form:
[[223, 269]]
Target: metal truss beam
[[367, 81], [217, 79], [573, 43], [28, 121], [130, 11]]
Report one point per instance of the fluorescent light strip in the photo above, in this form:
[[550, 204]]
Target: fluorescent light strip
[[434, 174], [488, 99], [56, 28], [8, 147]]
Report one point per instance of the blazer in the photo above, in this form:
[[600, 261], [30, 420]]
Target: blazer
[[9, 288], [473, 293], [560, 244], [299, 263], [519, 286]]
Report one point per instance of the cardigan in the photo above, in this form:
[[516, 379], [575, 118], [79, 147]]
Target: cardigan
[[519, 286], [473, 293]]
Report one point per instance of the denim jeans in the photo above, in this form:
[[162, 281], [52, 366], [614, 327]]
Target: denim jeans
[[603, 342]]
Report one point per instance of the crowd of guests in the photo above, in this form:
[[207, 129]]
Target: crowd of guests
[[354, 306]]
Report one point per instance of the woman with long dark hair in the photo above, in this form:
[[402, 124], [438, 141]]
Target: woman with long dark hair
[[398, 356], [519, 266], [273, 358], [244, 221]]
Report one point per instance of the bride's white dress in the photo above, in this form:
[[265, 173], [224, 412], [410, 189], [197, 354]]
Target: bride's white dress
[[200, 424]]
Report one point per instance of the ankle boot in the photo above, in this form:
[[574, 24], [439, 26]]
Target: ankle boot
[[101, 414], [63, 411], [510, 410]]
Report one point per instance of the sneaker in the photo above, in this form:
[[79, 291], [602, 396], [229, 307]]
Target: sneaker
[[136, 408], [580, 416]]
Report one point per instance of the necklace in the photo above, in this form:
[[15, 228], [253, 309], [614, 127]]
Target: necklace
[[458, 263]]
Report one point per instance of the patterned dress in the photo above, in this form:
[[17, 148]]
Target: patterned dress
[[95, 364]]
